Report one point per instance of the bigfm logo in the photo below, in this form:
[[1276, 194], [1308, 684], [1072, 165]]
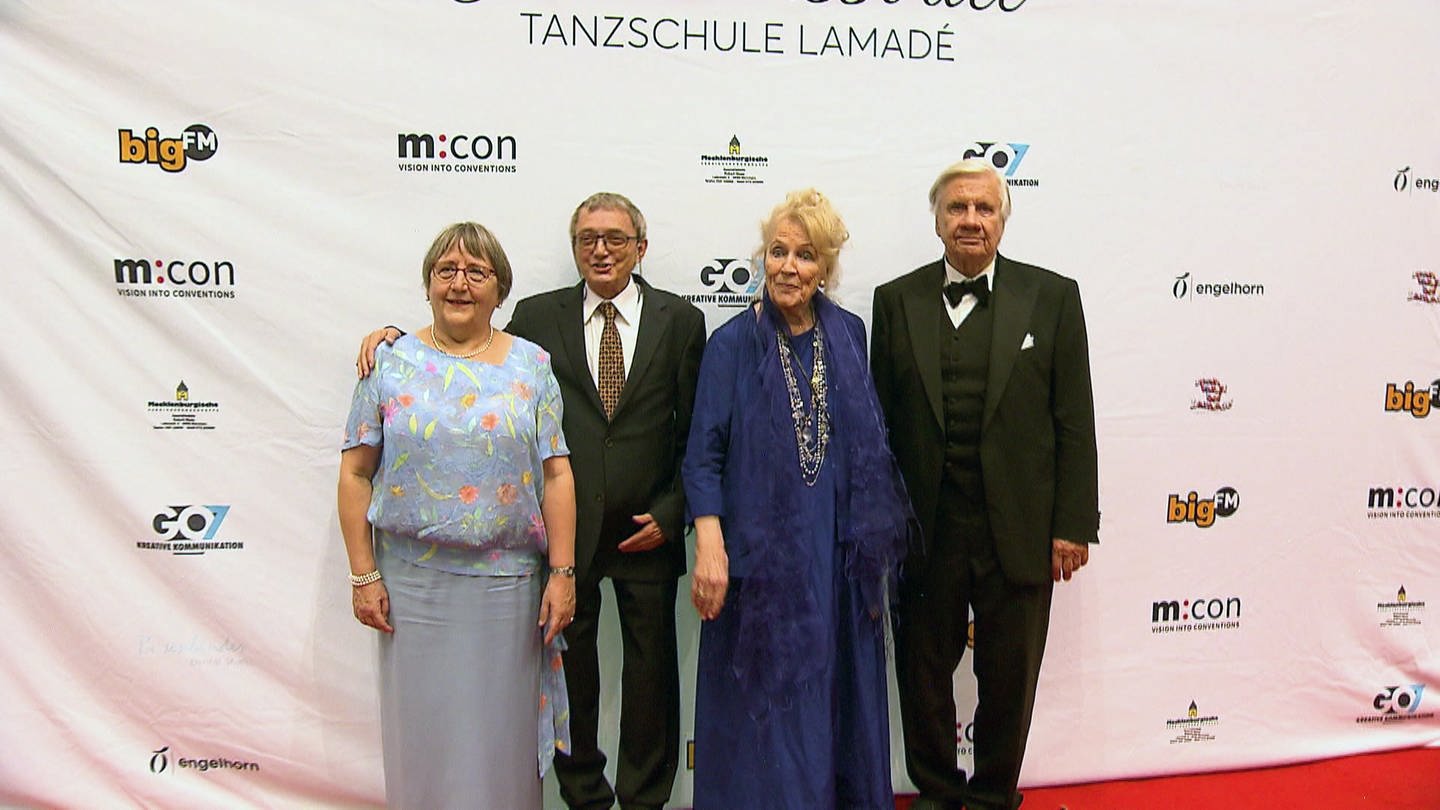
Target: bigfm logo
[[1429, 284], [1005, 157], [190, 530], [727, 283], [1402, 611], [484, 154], [1396, 704], [1212, 396], [182, 413], [1203, 512], [1185, 289], [1195, 615], [1404, 182], [1192, 727], [197, 142], [1410, 399], [736, 167], [1402, 502], [144, 278]]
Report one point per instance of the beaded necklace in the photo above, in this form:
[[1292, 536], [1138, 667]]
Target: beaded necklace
[[812, 424]]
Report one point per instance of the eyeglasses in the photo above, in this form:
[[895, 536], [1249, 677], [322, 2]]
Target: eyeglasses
[[474, 274], [612, 240]]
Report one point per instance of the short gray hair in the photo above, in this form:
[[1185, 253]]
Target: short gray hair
[[478, 241], [610, 201]]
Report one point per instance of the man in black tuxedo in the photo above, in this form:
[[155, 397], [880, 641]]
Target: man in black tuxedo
[[983, 373], [626, 435]]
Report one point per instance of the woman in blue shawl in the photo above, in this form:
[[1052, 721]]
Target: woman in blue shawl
[[801, 520]]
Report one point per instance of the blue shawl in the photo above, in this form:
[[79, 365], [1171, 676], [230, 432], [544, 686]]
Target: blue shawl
[[781, 629]]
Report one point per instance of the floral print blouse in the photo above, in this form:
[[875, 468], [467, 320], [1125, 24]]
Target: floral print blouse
[[462, 443]]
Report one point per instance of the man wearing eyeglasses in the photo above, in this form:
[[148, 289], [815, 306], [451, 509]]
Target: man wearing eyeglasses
[[627, 356]]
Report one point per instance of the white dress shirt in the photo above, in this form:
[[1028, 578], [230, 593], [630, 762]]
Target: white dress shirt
[[961, 311], [627, 321]]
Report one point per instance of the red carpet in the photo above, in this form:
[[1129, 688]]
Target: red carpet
[[1397, 780]]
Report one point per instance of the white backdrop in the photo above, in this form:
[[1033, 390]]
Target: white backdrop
[[1247, 194]]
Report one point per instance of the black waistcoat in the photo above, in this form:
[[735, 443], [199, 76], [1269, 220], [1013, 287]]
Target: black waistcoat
[[964, 368]]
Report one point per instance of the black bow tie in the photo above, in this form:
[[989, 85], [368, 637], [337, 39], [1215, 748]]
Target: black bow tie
[[978, 287]]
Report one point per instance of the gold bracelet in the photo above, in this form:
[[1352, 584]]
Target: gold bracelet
[[563, 570]]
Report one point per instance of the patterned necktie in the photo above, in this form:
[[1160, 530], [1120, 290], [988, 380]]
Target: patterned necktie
[[612, 360]]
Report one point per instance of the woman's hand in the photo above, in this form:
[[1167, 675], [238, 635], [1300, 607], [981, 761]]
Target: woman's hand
[[372, 605], [365, 361], [557, 606], [711, 578]]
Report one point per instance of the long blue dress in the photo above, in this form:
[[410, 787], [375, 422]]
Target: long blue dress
[[820, 740]]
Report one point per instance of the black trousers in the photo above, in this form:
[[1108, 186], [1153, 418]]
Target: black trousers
[[649, 698], [961, 573]]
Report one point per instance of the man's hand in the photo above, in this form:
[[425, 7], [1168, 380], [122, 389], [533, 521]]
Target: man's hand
[[365, 361], [649, 536], [1066, 558]]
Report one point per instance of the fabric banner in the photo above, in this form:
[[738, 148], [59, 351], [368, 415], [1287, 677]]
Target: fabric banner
[[206, 205]]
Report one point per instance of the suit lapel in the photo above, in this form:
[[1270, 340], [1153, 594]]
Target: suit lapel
[[572, 337], [654, 323], [922, 308], [1014, 299]]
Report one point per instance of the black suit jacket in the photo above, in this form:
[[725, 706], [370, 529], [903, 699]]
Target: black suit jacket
[[628, 465], [1037, 435]]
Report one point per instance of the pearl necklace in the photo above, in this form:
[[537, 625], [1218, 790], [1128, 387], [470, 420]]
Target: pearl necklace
[[812, 425], [435, 336]]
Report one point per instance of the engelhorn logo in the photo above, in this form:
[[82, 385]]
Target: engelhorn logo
[[160, 760], [1184, 288], [1404, 182]]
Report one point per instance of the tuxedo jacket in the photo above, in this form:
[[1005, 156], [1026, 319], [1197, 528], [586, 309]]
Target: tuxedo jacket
[[1037, 434], [630, 464]]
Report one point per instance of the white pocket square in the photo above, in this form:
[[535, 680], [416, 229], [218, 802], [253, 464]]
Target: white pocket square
[[1028, 342]]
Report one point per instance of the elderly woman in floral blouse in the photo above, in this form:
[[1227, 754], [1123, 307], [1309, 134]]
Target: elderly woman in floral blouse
[[458, 512]]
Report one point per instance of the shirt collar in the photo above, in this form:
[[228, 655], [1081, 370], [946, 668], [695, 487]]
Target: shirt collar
[[951, 274], [627, 302]]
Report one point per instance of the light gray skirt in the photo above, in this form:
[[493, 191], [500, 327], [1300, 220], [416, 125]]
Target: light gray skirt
[[460, 692]]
